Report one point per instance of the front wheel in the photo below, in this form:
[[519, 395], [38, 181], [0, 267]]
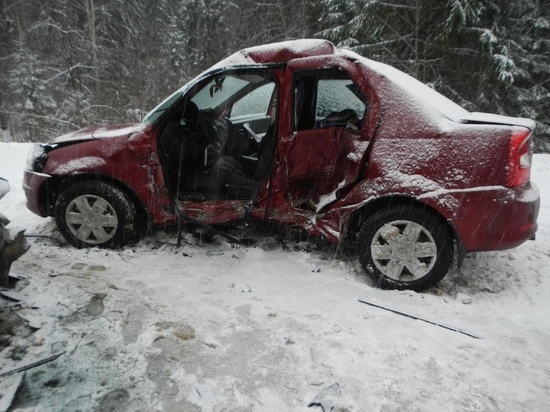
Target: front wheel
[[405, 247], [95, 214]]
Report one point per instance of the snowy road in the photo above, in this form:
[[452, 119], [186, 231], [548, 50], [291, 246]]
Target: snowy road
[[219, 328]]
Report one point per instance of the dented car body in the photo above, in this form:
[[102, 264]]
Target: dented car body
[[302, 133]]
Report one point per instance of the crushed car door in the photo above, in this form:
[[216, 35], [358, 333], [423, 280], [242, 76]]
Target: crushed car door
[[324, 154]]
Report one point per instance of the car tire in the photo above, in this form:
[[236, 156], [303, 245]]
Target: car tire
[[405, 248], [91, 213]]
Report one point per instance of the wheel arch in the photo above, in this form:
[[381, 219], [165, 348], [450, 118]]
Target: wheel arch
[[58, 184], [358, 217]]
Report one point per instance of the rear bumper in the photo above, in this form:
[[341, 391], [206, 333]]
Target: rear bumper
[[34, 185], [497, 218]]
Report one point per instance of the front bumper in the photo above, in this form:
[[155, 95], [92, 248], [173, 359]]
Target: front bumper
[[35, 187]]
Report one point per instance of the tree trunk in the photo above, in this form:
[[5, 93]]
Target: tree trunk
[[417, 40], [90, 9], [20, 31]]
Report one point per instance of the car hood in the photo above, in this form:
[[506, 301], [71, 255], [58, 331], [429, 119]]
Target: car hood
[[103, 132], [488, 118]]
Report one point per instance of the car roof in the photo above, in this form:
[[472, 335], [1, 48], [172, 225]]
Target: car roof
[[286, 51], [280, 52]]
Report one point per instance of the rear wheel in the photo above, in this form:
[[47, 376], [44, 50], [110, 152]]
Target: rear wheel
[[95, 214], [405, 247]]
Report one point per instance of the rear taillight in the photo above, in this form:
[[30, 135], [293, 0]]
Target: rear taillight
[[520, 158]]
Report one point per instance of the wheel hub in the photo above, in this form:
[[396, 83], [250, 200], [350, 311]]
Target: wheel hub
[[403, 250], [91, 219]]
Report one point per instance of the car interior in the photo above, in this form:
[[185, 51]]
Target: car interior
[[219, 142], [327, 98]]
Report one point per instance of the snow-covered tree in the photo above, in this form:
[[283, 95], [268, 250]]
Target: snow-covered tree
[[527, 34], [101, 61], [489, 55]]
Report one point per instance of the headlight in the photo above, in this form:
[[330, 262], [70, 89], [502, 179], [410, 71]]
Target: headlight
[[37, 157]]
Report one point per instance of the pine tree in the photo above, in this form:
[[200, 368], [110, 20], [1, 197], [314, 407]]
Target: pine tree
[[528, 43], [68, 64], [488, 55]]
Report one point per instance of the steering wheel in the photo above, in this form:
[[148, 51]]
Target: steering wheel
[[206, 128]]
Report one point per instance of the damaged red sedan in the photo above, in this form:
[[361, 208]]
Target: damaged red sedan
[[304, 134]]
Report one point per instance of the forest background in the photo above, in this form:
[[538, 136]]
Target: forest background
[[66, 64]]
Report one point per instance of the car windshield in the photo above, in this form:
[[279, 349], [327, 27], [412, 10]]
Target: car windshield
[[222, 89], [421, 91], [414, 87], [212, 95], [218, 90], [161, 108]]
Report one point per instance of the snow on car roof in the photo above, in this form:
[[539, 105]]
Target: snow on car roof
[[279, 52], [415, 88], [289, 50], [295, 49]]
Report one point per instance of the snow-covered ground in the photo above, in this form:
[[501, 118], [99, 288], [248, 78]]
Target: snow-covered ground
[[213, 327]]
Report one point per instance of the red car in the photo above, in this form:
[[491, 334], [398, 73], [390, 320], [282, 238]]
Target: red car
[[304, 134]]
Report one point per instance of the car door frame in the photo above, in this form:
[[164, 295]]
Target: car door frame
[[299, 143], [211, 212]]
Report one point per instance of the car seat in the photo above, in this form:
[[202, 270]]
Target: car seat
[[240, 177]]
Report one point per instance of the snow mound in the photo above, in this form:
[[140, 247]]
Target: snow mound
[[277, 326]]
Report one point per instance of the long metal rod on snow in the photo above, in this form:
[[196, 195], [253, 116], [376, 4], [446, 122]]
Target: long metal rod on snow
[[431, 322], [32, 365]]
